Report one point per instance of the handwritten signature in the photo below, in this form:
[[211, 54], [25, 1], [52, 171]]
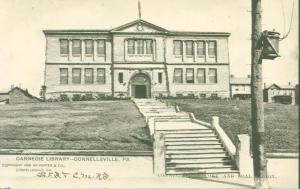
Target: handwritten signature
[[76, 175]]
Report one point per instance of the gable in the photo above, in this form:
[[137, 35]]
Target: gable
[[139, 26]]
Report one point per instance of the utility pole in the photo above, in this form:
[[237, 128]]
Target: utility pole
[[257, 111]]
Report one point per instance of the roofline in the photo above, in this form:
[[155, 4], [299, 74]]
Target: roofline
[[169, 33]]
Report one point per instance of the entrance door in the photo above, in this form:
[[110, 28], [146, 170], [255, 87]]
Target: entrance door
[[140, 91], [140, 86]]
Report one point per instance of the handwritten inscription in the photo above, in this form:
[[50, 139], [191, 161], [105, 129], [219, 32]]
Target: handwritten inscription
[[75, 175]]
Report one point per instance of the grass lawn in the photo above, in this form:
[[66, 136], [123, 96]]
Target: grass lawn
[[281, 121], [101, 125]]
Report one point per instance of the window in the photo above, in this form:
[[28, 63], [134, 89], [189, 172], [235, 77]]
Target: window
[[148, 46], [76, 75], [200, 48], [101, 75], [64, 47], [212, 48], [89, 47], [101, 47], [190, 75], [178, 75], [76, 47], [160, 77], [88, 75], [189, 50], [201, 75], [131, 47], [140, 46], [177, 48], [212, 75], [120, 77], [202, 95], [63, 75]]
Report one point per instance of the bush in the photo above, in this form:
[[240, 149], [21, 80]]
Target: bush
[[87, 97], [64, 97], [76, 97]]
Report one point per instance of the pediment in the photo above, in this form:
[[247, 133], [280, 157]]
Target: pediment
[[139, 26]]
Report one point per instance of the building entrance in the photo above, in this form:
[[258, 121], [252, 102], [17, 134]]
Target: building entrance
[[140, 86]]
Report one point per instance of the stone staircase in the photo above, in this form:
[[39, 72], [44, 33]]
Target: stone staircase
[[189, 148]]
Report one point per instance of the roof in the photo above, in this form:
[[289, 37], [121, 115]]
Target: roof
[[240, 80], [281, 86], [120, 29], [25, 92]]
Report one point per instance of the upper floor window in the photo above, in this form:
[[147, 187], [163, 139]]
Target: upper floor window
[[212, 75], [76, 47], [131, 47], [88, 75], [148, 46], [190, 75], [178, 75], [101, 75], [101, 47], [201, 75], [63, 75], [64, 47], [140, 47], [89, 47], [212, 48], [201, 48], [177, 48], [76, 75], [189, 48]]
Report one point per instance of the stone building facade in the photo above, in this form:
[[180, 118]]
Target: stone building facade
[[138, 59]]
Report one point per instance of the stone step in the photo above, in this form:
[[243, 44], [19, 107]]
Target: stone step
[[172, 120], [198, 161], [188, 131], [195, 147], [178, 126], [189, 143], [192, 139], [199, 166], [189, 135], [197, 156], [198, 151], [224, 171]]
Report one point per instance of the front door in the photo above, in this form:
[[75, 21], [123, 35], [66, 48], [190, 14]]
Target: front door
[[140, 91]]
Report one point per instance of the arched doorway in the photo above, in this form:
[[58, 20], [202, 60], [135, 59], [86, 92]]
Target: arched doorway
[[140, 86]]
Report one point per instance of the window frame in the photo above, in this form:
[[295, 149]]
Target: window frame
[[186, 75], [181, 76], [150, 47], [85, 76], [60, 76], [98, 76], [192, 47], [216, 75], [160, 75], [86, 47], [74, 48], [61, 47], [121, 77], [204, 75], [180, 49], [215, 49], [100, 53], [73, 80], [198, 49]]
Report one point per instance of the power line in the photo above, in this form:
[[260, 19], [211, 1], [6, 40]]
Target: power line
[[291, 21]]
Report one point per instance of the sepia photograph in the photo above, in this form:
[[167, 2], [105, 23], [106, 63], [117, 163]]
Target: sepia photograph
[[149, 94]]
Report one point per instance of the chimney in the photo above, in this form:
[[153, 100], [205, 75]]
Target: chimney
[[12, 86], [289, 83], [248, 76], [231, 76], [265, 86]]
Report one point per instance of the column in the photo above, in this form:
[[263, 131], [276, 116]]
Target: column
[[206, 50], [183, 51], [195, 50], [94, 49], [153, 50], [126, 49], [70, 49], [82, 49]]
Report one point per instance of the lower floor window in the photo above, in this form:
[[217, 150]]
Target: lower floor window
[[160, 78], [212, 75], [101, 75], [88, 76], [63, 75], [76, 75], [189, 75]]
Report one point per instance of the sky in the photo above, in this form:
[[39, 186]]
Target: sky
[[22, 49]]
